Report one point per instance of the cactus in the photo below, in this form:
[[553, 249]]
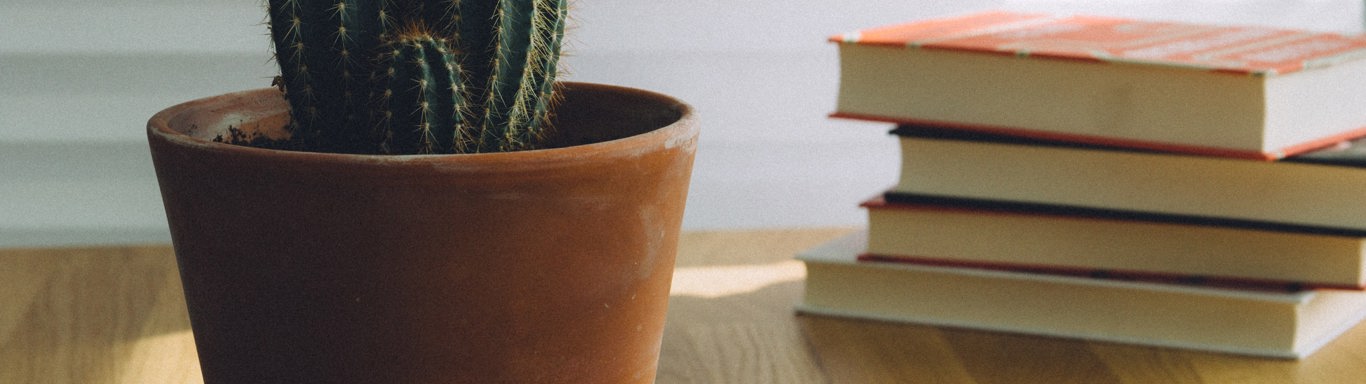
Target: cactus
[[419, 100], [354, 71], [519, 57]]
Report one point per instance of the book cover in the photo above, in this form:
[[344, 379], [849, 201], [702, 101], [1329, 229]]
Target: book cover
[[1248, 50], [1269, 324], [1232, 91]]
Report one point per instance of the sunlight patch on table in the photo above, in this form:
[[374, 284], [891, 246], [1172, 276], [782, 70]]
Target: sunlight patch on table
[[718, 281]]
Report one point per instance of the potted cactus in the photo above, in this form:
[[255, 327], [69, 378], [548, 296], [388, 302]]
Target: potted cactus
[[419, 200]]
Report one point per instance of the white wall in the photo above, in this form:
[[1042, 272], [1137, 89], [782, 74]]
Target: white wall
[[79, 78]]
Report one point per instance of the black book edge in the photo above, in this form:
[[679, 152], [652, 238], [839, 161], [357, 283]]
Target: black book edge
[[1347, 154]]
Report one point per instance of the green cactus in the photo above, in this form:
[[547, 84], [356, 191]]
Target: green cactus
[[344, 65], [519, 56], [418, 104]]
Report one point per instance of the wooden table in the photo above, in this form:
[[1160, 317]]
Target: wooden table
[[116, 315]]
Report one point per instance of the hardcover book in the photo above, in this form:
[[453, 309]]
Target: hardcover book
[[1216, 90], [1118, 245], [1271, 324], [1318, 189]]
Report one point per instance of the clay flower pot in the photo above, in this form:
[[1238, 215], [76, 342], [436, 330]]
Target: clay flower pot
[[551, 265]]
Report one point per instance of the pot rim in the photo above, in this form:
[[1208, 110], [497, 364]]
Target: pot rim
[[681, 132]]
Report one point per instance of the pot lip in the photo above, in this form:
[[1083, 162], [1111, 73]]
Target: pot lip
[[680, 133]]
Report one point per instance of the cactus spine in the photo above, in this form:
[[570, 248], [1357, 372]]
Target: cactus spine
[[418, 76]]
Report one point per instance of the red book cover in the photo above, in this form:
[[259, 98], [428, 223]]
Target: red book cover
[[1098, 94], [1240, 49]]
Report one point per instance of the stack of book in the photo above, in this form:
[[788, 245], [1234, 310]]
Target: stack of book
[[1156, 183]]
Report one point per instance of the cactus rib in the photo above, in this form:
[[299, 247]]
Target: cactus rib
[[421, 97]]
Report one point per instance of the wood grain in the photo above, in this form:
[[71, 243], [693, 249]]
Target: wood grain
[[109, 315], [117, 315]]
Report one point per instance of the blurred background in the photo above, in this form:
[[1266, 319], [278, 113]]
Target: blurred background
[[79, 78]]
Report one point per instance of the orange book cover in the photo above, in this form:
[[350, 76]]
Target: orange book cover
[[1239, 49], [1292, 121]]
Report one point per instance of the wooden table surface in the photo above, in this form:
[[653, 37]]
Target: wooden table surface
[[116, 315]]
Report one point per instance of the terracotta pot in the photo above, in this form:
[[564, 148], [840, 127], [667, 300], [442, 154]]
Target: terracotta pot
[[539, 266]]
